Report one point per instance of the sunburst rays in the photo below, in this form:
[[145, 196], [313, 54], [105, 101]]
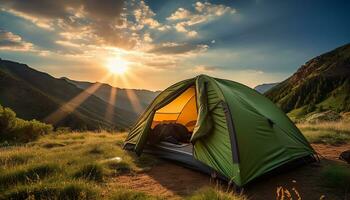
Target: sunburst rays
[[111, 101], [131, 95], [72, 104]]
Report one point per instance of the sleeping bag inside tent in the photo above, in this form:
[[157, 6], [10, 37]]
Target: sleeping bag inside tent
[[217, 125]]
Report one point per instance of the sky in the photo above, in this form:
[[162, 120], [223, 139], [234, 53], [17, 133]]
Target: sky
[[162, 42]]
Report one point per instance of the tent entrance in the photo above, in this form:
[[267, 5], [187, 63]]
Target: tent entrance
[[182, 110]]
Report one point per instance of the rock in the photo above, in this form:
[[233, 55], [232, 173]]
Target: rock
[[329, 115], [345, 156]]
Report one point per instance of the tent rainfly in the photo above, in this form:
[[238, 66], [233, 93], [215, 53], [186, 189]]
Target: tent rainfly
[[236, 132]]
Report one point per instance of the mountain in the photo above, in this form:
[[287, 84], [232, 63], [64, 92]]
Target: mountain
[[322, 83], [34, 94], [132, 100], [264, 87]]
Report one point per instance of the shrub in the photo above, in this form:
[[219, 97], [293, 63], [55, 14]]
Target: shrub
[[31, 174], [17, 130], [92, 172], [7, 119], [63, 129]]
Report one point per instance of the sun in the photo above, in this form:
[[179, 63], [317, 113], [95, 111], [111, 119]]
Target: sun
[[117, 66]]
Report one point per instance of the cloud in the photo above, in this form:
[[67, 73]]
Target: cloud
[[175, 48], [205, 69], [84, 30], [179, 14], [144, 16], [212, 9], [203, 13], [96, 22], [12, 42], [161, 64]]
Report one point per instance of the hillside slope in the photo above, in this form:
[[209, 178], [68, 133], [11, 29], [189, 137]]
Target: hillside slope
[[123, 98], [33, 94], [321, 83]]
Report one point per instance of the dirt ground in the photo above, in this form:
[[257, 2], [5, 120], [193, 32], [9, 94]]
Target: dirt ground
[[173, 182]]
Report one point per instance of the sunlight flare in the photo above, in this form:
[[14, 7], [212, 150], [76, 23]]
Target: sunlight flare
[[111, 102], [75, 102], [117, 66], [131, 95]]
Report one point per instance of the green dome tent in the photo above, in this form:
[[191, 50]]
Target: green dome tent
[[237, 132]]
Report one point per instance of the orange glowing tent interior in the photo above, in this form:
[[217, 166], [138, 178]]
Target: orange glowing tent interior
[[182, 110]]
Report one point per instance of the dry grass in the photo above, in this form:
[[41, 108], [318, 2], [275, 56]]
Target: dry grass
[[209, 193], [66, 164], [76, 166], [340, 126], [333, 133]]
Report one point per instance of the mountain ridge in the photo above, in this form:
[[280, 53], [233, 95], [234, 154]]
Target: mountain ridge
[[321, 83], [34, 94], [123, 97]]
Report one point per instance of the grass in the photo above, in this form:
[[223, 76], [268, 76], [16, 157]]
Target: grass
[[91, 172], [332, 133], [327, 137], [124, 194], [68, 166], [209, 193], [14, 159], [119, 167], [340, 126], [337, 176], [65, 190], [27, 175], [85, 166], [76, 166]]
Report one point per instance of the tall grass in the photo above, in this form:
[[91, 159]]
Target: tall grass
[[91, 172], [340, 126], [68, 166], [210, 193], [125, 194], [333, 133], [27, 175], [59, 190]]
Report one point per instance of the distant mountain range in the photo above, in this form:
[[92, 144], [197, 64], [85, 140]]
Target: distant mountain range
[[322, 83], [33, 94], [264, 87], [132, 100]]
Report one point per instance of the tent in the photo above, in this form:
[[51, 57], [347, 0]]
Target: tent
[[236, 132]]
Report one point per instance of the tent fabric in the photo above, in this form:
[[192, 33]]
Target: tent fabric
[[238, 132], [182, 110]]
